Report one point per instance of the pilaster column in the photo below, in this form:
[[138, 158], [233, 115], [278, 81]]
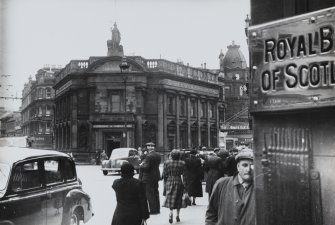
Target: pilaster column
[[188, 102], [177, 121], [160, 121], [74, 121], [208, 125], [198, 120]]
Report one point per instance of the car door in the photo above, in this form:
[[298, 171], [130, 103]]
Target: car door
[[60, 178], [25, 203]]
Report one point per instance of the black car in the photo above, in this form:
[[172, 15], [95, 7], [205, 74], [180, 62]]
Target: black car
[[40, 187]]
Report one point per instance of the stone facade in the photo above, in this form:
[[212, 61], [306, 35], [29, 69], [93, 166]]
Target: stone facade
[[99, 107], [37, 109], [234, 80]]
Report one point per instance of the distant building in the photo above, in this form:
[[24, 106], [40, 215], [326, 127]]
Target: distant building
[[37, 109], [98, 106], [234, 80], [10, 124]]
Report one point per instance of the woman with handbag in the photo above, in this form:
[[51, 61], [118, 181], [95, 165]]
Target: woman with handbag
[[132, 206], [172, 174]]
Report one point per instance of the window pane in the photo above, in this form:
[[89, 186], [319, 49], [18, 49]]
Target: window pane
[[26, 176], [115, 103], [69, 170], [52, 172]]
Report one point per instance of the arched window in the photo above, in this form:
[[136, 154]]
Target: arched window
[[47, 110], [40, 93], [40, 111], [48, 92]]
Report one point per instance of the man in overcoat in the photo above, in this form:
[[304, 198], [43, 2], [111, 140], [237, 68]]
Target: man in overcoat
[[233, 201], [150, 177]]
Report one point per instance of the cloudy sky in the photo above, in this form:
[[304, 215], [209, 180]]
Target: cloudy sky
[[39, 32]]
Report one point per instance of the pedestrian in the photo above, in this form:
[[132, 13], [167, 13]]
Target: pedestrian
[[193, 176], [213, 167], [132, 206], [233, 200], [223, 154], [150, 177], [173, 170], [103, 156], [231, 164]]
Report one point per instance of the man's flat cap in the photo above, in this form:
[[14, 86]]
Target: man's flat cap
[[246, 153], [150, 144]]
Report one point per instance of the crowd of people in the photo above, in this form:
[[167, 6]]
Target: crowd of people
[[228, 177]]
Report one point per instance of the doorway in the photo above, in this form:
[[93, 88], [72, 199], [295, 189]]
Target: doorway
[[112, 141]]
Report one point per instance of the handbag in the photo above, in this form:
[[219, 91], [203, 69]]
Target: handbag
[[186, 201]]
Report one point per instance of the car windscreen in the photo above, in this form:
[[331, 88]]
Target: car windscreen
[[119, 153], [4, 174]]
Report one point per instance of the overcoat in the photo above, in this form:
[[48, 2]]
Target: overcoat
[[193, 176], [150, 167], [150, 175], [230, 206], [132, 204], [174, 188], [213, 167]]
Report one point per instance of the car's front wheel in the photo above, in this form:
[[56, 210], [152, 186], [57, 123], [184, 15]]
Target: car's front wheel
[[105, 172], [75, 218]]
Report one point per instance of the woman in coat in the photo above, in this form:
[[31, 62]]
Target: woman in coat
[[132, 206], [193, 176], [172, 174], [213, 167]]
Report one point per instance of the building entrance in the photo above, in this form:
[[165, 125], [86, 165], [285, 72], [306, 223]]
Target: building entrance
[[112, 141]]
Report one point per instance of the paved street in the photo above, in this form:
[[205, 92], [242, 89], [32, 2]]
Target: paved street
[[99, 188]]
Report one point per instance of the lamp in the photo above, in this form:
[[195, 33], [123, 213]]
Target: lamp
[[247, 24], [124, 66]]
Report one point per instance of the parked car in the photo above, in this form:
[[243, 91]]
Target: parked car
[[39, 187], [120, 156]]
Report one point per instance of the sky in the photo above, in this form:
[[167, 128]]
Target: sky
[[34, 33]]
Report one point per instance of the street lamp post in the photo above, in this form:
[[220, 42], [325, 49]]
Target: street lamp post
[[125, 66]]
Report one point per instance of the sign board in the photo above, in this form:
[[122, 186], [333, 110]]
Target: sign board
[[293, 62], [112, 126], [235, 126]]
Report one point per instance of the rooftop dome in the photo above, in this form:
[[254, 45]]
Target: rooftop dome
[[234, 58]]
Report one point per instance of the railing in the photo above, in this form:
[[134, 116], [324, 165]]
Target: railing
[[159, 65], [181, 70], [73, 66]]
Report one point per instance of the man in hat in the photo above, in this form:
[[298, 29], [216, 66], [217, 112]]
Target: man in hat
[[233, 200], [150, 177]]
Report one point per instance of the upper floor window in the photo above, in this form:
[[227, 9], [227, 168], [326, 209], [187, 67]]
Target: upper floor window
[[182, 107], [47, 110], [48, 92], [115, 102], [47, 128], [171, 103], [203, 112], [193, 108], [40, 111], [40, 128], [40, 93], [212, 111]]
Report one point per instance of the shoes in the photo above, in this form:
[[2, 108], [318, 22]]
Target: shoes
[[170, 218], [193, 203], [177, 218]]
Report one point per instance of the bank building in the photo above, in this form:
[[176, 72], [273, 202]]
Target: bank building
[[112, 101]]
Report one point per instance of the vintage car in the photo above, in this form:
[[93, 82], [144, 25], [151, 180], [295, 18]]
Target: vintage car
[[120, 156], [39, 187]]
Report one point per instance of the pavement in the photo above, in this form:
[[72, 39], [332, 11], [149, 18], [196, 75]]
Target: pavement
[[104, 202]]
